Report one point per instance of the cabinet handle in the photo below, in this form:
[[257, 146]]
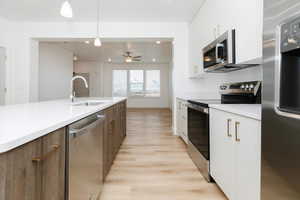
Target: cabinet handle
[[228, 127], [236, 131], [44, 157]]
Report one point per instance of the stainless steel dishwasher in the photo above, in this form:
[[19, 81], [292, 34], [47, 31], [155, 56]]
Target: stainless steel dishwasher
[[85, 158]]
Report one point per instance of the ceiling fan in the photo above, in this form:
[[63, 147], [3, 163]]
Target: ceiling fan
[[130, 58]]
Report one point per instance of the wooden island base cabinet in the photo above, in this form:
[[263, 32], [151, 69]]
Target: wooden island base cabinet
[[37, 170], [114, 134]]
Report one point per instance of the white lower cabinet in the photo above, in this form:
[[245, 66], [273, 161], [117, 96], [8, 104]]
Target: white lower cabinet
[[181, 116], [235, 154]]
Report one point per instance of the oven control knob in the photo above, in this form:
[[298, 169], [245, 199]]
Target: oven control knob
[[247, 86], [242, 86], [251, 86]]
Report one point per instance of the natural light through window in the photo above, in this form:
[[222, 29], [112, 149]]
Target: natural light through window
[[119, 83], [152, 83], [138, 83], [136, 78]]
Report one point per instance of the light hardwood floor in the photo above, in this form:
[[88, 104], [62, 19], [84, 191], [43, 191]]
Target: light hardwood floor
[[152, 164]]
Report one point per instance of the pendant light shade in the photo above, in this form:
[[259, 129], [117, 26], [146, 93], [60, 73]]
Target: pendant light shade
[[97, 42], [66, 10]]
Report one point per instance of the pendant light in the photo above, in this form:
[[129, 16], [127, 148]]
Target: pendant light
[[97, 41], [66, 10]]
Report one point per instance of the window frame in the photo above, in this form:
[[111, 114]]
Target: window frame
[[112, 85], [129, 94]]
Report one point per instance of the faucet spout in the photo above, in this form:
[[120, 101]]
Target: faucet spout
[[72, 95]]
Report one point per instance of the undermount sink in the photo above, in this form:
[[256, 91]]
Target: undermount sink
[[89, 103]]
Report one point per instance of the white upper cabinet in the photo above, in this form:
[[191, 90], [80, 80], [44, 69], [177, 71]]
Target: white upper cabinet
[[216, 17], [248, 19]]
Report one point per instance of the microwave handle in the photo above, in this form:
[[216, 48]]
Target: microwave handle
[[219, 60]]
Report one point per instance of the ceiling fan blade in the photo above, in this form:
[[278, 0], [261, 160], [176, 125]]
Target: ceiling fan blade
[[137, 56], [136, 59]]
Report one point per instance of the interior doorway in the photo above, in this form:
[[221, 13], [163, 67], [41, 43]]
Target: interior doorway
[[2, 75]]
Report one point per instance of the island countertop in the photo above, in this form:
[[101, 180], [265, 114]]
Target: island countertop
[[23, 123]]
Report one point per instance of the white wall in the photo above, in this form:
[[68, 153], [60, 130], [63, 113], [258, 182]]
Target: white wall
[[101, 82], [2, 75], [55, 72]]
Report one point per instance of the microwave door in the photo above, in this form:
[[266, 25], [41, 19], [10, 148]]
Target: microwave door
[[220, 53], [210, 58]]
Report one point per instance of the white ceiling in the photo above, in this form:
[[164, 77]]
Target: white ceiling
[[114, 50], [111, 10]]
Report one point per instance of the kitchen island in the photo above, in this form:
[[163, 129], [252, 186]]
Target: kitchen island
[[34, 147]]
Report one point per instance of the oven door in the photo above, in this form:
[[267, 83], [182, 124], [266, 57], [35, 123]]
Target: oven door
[[198, 128]]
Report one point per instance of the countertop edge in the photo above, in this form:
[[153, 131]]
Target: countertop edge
[[8, 146], [223, 107]]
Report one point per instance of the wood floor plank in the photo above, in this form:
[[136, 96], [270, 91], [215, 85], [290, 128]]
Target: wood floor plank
[[153, 164]]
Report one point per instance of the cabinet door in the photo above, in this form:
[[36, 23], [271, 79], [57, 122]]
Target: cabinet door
[[184, 116], [106, 142], [178, 117], [20, 177], [53, 165], [247, 159], [248, 24], [221, 150]]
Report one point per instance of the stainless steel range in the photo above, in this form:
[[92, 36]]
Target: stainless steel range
[[198, 119]]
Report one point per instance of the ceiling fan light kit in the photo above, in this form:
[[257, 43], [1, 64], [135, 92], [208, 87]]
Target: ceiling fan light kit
[[97, 42], [66, 10], [129, 58]]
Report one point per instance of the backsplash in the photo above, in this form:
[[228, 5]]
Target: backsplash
[[208, 86]]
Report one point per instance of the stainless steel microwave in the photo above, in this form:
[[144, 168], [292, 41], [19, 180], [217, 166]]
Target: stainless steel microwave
[[219, 56]]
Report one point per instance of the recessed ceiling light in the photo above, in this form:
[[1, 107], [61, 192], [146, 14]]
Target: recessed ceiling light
[[109, 60], [158, 42], [75, 58], [153, 59], [87, 42]]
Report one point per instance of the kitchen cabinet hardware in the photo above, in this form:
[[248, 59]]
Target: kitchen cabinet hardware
[[237, 124], [228, 127], [47, 155]]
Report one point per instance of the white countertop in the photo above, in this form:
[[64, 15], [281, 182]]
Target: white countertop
[[23, 123], [248, 110]]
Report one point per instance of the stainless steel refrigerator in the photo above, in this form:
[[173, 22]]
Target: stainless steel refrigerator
[[281, 101]]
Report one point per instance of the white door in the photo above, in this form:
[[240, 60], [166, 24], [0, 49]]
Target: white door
[[221, 150], [2, 75], [247, 159]]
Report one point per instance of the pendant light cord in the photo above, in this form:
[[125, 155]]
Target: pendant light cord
[[98, 16]]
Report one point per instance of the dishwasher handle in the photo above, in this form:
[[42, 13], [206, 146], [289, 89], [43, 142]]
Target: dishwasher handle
[[77, 132]]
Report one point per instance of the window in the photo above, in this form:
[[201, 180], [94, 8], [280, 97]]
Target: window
[[136, 84], [152, 83], [119, 83], [143, 83]]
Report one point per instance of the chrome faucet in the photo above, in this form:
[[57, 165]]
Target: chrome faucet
[[72, 96]]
